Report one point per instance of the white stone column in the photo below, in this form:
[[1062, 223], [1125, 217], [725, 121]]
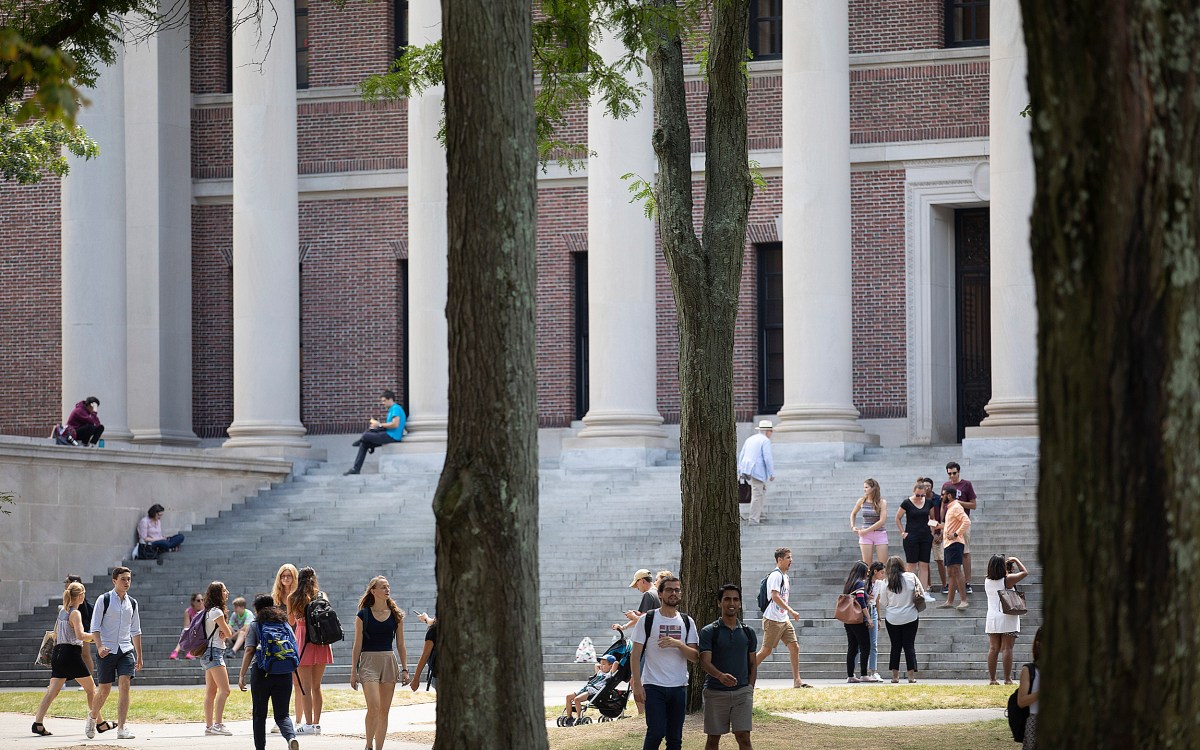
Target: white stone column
[[428, 349], [1011, 425], [622, 425], [818, 418], [266, 266], [93, 262], [159, 186]]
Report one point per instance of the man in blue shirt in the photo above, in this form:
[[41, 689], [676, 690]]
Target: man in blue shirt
[[727, 654], [756, 463], [390, 430], [117, 626]]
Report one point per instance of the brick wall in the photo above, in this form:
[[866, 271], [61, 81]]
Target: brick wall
[[30, 308], [209, 47], [212, 320], [896, 25], [877, 237], [348, 42], [560, 211], [919, 102]]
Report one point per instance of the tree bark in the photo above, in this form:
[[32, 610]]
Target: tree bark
[[490, 660], [1116, 129], [705, 278]]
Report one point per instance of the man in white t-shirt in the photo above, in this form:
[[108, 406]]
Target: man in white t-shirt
[[776, 625], [664, 641]]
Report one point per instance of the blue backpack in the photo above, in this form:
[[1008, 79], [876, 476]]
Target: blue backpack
[[277, 651]]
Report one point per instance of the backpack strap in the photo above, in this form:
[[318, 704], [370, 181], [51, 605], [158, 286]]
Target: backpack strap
[[649, 623]]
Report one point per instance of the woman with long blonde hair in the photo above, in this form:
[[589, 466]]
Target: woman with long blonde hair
[[378, 634], [872, 535], [285, 584], [66, 661], [313, 657]]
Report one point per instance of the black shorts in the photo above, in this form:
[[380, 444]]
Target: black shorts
[[954, 553], [66, 662], [917, 549], [115, 665]]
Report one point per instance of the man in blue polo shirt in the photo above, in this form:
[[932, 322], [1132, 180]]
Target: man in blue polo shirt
[[727, 649], [390, 430]]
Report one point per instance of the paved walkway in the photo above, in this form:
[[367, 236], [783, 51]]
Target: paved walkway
[[343, 730]]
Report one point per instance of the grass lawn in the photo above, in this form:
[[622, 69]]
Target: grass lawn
[[882, 697], [148, 705], [778, 733]]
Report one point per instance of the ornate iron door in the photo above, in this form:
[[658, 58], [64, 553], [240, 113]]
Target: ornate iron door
[[972, 280]]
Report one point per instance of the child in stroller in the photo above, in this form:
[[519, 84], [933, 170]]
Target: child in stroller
[[604, 691]]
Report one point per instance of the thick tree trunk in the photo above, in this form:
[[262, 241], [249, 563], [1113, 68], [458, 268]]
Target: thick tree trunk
[[705, 277], [489, 650], [1116, 130]]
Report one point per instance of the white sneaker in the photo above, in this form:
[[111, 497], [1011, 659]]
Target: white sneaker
[[929, 597], [124, 734], [316, 728], [89, 728], [873, 677], [218, 729], [305, 729]]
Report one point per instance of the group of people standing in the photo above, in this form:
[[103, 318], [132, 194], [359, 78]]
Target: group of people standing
[[379, 660]]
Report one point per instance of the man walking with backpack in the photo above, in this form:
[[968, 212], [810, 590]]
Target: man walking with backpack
[[727, 654], [776, 626], [271, 646], [118, 630], [664, 641]]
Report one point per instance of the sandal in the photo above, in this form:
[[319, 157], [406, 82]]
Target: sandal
[[104, 726], [40, 728], [801, 685]]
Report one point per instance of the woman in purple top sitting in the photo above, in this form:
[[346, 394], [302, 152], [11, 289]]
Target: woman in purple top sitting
[[84, 423]]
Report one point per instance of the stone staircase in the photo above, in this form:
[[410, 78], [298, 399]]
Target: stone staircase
[[597, 527]]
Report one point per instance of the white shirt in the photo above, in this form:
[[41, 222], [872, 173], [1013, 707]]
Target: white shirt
[[898, 608], [777, 581], [997, 621], [665, 667], [115, 630], [210, 626]]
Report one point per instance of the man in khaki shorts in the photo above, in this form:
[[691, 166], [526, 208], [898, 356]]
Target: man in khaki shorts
[[728, 658], [776, 626]]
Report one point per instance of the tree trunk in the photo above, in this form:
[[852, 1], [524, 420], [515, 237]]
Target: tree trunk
[[489, 650], [705, 277], [1117, 120]]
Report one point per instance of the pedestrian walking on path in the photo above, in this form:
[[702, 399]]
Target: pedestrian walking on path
[[66, 660], [777, 617], [378, 636], [117, 624], [272, 650]]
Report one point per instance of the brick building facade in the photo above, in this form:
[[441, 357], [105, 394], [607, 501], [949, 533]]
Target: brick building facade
[[919, 103]]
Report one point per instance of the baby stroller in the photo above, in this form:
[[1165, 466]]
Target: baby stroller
[[611, 700]]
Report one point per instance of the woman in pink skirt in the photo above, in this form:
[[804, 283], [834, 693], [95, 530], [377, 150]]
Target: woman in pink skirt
[[872, 534], [313, 658]]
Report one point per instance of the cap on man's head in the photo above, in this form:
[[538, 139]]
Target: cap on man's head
[[642, 573], [766, 425]]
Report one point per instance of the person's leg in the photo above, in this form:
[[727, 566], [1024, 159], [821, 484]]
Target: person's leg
[[794, 657], [210, 697], [923, 574], [772, 632], [758, 500], [894, 656], [84, 434], [122, 701], [89, 689], [656, 717], [1006, 653], [281, 696], [260, 694], [370, 691], [966, 567], [881, 552], [52, 691], [941, 569], [304, 697], [865, 551], [864, 648], [851, 649], [961, 582], [712, 742], [743, 740], [993, 653], [386, 691], [221, 677], [873, 657], [908, 637], [97, 703], [676, 712], [318, 671]]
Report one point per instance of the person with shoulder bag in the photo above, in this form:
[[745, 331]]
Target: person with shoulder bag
[[858, 634], [900, 603], [1003, 574]]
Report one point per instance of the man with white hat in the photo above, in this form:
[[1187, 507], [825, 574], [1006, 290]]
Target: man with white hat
[[643, 581], [756, 464]]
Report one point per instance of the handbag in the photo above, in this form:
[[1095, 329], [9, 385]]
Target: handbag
[[744, 489], [1012, 602], [919, 598], [49, 639], [848, 610]]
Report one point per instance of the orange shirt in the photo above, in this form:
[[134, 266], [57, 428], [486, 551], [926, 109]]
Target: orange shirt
[[957, 523]]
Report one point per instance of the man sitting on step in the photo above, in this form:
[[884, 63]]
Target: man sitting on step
[[390, 430]]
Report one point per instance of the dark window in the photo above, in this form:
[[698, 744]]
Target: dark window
[[399, 27], [581, 335], [301, 44], [766, 29], [770, 327], [967, 22], [402, 353]]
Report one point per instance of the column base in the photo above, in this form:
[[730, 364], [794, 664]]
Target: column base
[[180, 438], [1015, 441], [1020, 413], [117, 437], [626, 452], [622, 424], [818, 418], [427, 430], [819, 445], [412, 457], [262, 434]]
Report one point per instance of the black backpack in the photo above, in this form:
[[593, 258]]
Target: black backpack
[[649, 621], [1018, 714], [321, 624], [764, 599]]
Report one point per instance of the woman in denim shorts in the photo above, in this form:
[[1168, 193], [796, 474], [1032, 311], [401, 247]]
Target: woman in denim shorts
[[216, 678]]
